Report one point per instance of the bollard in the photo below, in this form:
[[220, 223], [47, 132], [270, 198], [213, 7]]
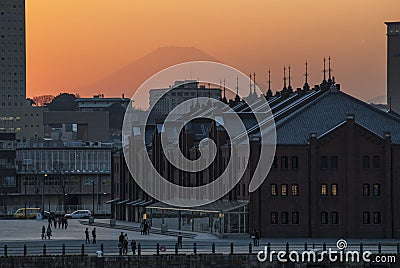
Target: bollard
[[24, 250], [305, 246], [5, 250], [63, 249], [361, 248], [324, 247], [44, 249], [158, 249], [195, 248], [250, 248], [231, 248], [379, 248], [176, 248], [213, 248], [268, 249], [83, 249], [287, 248], [102, 248], [139, 250]]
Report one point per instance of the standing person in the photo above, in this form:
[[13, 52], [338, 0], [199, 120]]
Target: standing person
[[180, 240], [43, 232], [62, 223], [121, 242], [49, 220], [141, 228], [94, 236], [125, 245], [48, 232], [133, 246], [66, 223], [87, 235]]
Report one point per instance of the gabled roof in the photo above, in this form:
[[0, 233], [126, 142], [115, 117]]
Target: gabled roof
[[329, 110]]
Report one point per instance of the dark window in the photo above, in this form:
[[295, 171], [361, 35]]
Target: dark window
[[274, 191], [284, 218], [324, 217], [366, 190], [334, 190], [334, 162], [366, 217], [275, 163], [274, 217], [295, 217], [324, 189], [295, 189], [376, 161], [335, 217], [365, 161], [295, 162], [284, 190], [377, 218], [284, 162], [324, 162], [376, 189]]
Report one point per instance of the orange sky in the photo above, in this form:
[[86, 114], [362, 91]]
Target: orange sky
[[73, 42]]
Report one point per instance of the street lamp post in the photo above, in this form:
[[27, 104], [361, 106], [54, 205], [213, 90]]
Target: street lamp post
[[24, 182], [45, 175], [93, 198]]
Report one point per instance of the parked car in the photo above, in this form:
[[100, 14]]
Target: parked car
[[47, 214], [79, 214], [28, 213]]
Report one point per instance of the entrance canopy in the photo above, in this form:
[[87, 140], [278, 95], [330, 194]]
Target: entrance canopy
[[219, 206]]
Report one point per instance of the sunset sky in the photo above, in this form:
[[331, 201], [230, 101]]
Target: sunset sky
[[74, 43]]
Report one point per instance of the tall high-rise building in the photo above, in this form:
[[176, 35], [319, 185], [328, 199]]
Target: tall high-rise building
[[12, 53], [393, 66]]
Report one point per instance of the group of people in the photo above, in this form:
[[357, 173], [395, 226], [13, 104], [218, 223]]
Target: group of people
[[46, 234], [123, 244], [62, 222], [145, 228], [93, 236]]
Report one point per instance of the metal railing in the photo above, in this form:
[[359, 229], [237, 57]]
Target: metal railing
[[186, 248]]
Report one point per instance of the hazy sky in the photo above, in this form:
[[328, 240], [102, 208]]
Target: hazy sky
[[75, 42]]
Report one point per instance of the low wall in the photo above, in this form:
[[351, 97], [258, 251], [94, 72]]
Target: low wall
[[170, 261]]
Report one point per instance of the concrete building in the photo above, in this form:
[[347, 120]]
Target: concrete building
[[8, 180], [393, 66], [12, 53], [163, 102]]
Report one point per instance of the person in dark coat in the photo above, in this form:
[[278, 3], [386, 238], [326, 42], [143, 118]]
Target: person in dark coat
[[43, 232], [94, 236], [87, 235], [48, 232], [133, 246]]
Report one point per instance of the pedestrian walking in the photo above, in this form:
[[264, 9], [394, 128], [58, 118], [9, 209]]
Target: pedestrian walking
[[94, 236], [125, 245], [48, 232], [66, 223], [121, 242], [87, 235], [43, 232], [133, 246], [180, 240]]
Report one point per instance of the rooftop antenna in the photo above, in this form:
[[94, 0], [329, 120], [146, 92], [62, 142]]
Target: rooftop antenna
[[254, 84], [306, 75], [224, 90], [284, 76], [250, 86], [237, 98], [290, 86], [329, 69], [324, 70], [269, 79]]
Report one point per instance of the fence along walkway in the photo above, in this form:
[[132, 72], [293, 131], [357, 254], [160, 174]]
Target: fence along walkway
[[137, 229]]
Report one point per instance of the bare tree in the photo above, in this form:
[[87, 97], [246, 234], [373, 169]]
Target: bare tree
[[43, 99]]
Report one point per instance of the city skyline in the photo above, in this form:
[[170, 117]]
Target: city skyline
[[82, 46]]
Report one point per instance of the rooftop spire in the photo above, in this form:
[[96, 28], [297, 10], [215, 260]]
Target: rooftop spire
[[324, 71], [306, 86], [254, 84], [237, 98], [290, 86], [250, 86], [284, 76], [224, 90], [269, 92], [329, 69]]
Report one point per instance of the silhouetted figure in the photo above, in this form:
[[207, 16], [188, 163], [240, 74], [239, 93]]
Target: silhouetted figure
[[125, 245], [121, 239], [180, 240], [87, 235], [43, 232], [48, 232], [94, 236], [133, 246], [257, 238]]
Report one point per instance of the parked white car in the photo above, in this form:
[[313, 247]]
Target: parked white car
[[79, 214]]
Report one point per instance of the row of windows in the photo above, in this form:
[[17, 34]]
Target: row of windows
[[376, 161], [285, 217], [324, 162], [334, 189], [367, 217], [334, 217], [285, 162], [284, 189], [376, 189]]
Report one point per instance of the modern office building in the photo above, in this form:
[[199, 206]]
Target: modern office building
[[393, 66]]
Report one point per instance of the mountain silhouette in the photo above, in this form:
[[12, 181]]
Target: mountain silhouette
[[127, 79]]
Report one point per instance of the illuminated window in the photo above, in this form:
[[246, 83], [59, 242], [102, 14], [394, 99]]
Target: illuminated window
[[334, 190], [376, 189], [274, 190], [295, 189], [324, 189], [284, 189], [366, 190]]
